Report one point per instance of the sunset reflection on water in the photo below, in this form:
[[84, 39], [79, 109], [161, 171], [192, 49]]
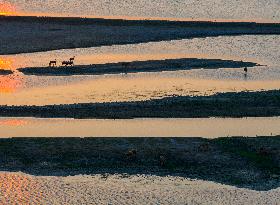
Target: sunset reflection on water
[[6, 64], [7, 9], [10, 83], [13, 122]]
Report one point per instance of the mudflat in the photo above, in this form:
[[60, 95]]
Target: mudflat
[[231, 104], [251, 163], [137, 66]]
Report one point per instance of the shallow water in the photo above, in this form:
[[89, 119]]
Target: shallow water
[[205, 127], [32, 90], [207, 9], [127, 88], [261, 49]]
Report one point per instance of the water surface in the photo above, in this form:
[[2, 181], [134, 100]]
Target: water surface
[[205, 127]]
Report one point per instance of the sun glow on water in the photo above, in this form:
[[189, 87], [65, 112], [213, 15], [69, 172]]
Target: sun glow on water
[[5, 64], [7, 8], [10, 83]]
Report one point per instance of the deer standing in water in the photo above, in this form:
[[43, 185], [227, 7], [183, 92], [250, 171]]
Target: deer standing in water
[[125, 66], [245, 72], [52, 63]]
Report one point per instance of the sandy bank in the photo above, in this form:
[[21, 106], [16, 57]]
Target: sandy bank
[[118, 189], [242, 104], [31, 34], [251, 163], [138, 66]]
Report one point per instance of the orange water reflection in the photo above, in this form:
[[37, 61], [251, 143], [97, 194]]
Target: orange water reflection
[[7, 8], [13, 122], [204, 127], [5, 64], [9, 84], [130, 88]]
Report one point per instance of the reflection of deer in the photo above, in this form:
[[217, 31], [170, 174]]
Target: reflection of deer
[[52, 63]]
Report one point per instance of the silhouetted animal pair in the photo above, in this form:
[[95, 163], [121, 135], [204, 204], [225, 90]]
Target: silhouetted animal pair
[[64, 63]]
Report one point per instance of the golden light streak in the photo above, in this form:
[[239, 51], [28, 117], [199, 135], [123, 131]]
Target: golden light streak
[[5, 64], [13, 122], [9, 84], [7, 9]]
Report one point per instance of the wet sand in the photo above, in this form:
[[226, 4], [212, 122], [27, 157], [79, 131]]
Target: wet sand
[[231, 104], [137, 66], [33, 34], [251, 163]]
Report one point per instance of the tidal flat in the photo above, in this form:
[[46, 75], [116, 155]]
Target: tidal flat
[[230, 104]]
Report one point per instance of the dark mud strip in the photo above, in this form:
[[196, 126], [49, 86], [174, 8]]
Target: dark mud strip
[[33, 34], [252, 163], [5, 72], [243, 104], [138, 66]]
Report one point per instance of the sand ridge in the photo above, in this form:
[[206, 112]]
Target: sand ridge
[[241, 104]]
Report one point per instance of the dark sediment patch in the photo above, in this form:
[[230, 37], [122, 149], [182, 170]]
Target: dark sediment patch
[[137, 66], [252, 163], [33, 34], [5, 72], [243, 104]]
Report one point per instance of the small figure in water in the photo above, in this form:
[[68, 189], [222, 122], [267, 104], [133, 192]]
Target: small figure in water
[[245, 72]]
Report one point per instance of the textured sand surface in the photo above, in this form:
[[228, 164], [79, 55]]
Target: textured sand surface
[[19, 188]]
